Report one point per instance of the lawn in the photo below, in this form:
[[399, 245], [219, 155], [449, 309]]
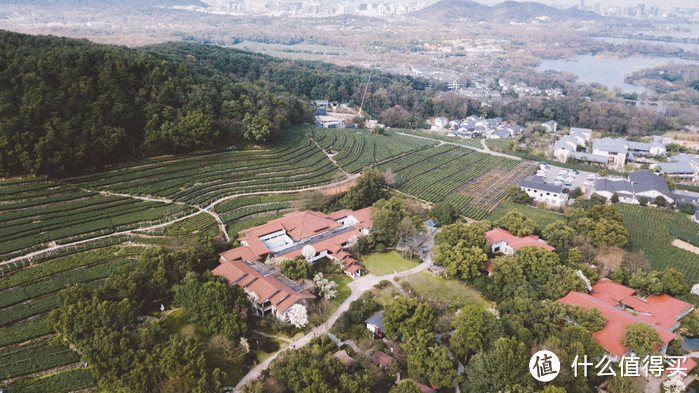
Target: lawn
[[343, 291], [542, 217], [447, 292], [381, 264]]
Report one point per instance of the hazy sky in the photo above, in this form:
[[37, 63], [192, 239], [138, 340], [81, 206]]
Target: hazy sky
[[623, 3]]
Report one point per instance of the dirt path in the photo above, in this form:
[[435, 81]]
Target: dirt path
[[685, 246], [485, 148], [349, 179], [358, 288]]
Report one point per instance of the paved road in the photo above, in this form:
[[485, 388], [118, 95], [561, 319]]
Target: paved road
[[358, 287]]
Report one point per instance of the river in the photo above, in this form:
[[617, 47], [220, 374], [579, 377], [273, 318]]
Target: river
[[609, 72]]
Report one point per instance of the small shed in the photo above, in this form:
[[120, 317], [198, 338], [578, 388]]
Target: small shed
[[381, 359], [375, 324]]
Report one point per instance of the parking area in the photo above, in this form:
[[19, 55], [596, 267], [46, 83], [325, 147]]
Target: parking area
[[568, 178]]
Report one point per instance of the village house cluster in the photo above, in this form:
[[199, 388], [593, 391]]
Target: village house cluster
[[475, 126]]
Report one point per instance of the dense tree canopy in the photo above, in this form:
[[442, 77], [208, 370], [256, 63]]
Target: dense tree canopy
[[129, 354], [404, 316], [70, 105], [505, 364], [642, 339], [517, 223], [367, 190]]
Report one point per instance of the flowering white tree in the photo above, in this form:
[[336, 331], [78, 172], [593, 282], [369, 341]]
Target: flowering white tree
[[308, 252], [674, 384], [253, 298], [352, 241], [695, 289], [298, 315], [582, 276], [244, 345], [326, 288], [275, 260]]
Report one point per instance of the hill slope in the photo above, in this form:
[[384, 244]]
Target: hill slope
[[508, 11], [68, 105]]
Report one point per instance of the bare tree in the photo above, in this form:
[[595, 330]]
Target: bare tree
[[389, 178]]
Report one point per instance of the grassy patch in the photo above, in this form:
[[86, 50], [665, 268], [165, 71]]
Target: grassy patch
[[542, 217], [175, 321], [451, 293], [343, 291], [381, 264]]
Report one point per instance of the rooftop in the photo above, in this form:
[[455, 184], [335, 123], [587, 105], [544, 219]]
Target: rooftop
[[662, 312], [376, 320], [643, 181], [499, 234], [537, 183]]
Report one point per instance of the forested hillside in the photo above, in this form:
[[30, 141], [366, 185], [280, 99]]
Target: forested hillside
[[70, 105]]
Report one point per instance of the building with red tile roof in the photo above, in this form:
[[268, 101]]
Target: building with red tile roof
[[621, 307], [502, 241], [287, 237]]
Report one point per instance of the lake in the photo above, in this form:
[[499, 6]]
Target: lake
[[615, 40], [609, 72]]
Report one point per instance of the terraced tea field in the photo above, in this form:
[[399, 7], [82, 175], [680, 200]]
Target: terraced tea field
[[27, 295], [652, 231], [356, 149], [294, 163], [445, 173], [37, 212]]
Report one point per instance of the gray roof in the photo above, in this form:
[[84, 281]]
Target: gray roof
[[648, 181], [676, 167], [683, 196], [589, 157], [578, 129], [611, 145], [564, 143], [642, 146], [550, 122], [376, 320], [684, 157], [502, 133], [609, 185], [537, 183]]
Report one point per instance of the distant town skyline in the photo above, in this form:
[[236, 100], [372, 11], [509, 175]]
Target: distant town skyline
[[614, 3]]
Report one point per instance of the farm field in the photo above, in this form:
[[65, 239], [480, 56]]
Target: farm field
[[471, 181], [356, 149], [37, 212], [27, 295], [293, 163], [651, 231], [542, 217]]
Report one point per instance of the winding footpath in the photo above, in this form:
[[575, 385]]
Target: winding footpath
[[358, 287], [208, 209]]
